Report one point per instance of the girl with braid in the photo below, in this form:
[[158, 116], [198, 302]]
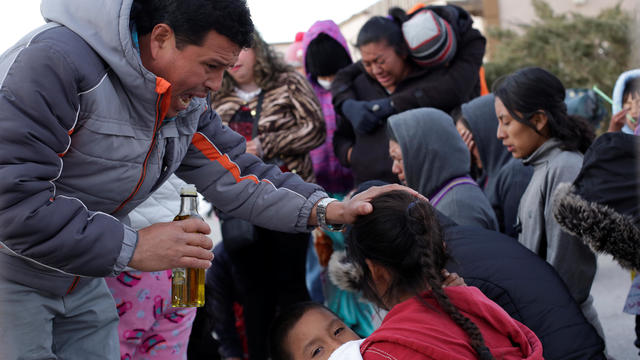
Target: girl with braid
[[397, 256]]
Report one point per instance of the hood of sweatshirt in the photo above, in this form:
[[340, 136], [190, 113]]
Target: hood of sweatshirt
[[480, 113], [618, 90], [327, 27], [432, 150]]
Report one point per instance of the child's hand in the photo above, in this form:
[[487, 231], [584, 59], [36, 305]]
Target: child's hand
[[618, 120], [452, 279]]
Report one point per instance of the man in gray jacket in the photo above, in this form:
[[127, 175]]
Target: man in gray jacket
[[97, 109]]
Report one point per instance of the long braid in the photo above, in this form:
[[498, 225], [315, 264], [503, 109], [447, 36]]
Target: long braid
[[432, 258], [477, 340], [404, 236]]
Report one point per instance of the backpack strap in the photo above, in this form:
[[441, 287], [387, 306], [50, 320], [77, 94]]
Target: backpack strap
[[450, 185], [254, 128]]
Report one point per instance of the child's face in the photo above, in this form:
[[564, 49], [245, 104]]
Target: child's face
[[632, 104], [317, 334]]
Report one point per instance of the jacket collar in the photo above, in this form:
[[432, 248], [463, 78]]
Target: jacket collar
[[545, 152]]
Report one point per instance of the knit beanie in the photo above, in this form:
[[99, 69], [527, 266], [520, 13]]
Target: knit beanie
[[430, 39]]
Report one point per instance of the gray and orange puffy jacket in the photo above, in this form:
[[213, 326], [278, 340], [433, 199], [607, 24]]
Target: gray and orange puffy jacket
[[83, 142]]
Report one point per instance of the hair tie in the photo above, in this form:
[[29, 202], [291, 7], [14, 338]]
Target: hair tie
[[414, 222]]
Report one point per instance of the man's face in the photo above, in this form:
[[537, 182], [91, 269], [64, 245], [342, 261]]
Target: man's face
[[316, 335], [192, 70]]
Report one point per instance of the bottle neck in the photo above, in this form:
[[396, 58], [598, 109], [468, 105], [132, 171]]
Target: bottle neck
[[188, 205]]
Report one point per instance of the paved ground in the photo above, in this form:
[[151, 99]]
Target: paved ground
[[609, 291]]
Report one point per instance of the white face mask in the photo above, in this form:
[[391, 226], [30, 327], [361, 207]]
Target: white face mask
[[326, 84]]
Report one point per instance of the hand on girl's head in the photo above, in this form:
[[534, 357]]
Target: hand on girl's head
[[367, 195], [316, 335]]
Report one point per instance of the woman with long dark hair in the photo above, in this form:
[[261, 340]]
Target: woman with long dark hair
[[400, 250], [534, 126]]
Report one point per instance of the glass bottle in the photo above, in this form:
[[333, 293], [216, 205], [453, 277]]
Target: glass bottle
[[187, 285]]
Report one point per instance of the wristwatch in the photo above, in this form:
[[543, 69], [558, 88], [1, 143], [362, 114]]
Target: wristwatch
[[321, 213]]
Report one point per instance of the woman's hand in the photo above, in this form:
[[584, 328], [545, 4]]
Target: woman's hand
[[467, 137], [452, 279]]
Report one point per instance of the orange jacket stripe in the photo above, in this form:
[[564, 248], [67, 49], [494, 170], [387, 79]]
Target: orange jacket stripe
[[212, 153]]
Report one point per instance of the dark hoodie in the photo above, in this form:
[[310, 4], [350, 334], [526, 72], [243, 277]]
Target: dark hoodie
[[507, 177], [434, 154], [602, 207], [537, 297], [444, 87]]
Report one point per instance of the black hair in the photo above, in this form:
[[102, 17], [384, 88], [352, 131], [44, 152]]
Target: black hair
[[192, 20], [325, 56], [380, 28], [532, 90], [631, 87], [282, 324], [403, 235]]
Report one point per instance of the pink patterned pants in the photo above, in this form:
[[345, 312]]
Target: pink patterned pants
[[149, 327]]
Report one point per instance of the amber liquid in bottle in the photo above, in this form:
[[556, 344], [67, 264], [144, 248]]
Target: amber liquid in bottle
[[187, 285]]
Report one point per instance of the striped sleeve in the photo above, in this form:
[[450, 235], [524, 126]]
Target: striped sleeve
[[241, 184]]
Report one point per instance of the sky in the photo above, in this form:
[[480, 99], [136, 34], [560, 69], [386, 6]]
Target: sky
[[277, 20]]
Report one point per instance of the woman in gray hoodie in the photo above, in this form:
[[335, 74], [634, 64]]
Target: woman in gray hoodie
[[430, 157], [534, 126]]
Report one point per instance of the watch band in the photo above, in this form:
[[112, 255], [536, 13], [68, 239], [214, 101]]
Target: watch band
[[321, 214]]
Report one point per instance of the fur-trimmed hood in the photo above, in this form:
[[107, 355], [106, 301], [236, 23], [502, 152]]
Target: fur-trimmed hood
[[343, 273], [599, 226], [602, 206]]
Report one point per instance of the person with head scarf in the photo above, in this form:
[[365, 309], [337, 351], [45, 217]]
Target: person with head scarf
[[430, 157]]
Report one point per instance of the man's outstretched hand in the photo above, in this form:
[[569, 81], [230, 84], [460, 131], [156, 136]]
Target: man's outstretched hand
[[346, 212], [176, 244]]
